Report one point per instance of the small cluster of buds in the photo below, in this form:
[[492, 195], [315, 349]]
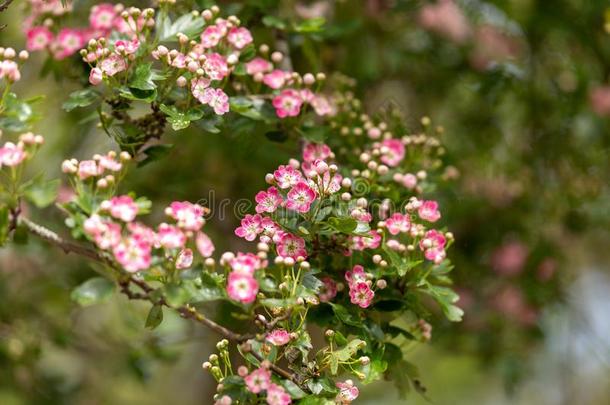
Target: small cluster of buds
[[9, 65], [101, 168], [12, 155]]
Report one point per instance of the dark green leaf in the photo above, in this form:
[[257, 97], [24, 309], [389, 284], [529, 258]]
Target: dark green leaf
[[81, 98], [155, 317]]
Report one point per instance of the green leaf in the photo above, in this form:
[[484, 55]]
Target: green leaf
[[445, 297], [274, 22], [344, 225], [277, 136], [344, 315], [155, 316], [81, 98], [17, 115], [40, 192], [187, 24], [93, 291], [180, 119], [143, 78], [315, 400], [147, 96], [315, 134], [311, 25], [293, 389]]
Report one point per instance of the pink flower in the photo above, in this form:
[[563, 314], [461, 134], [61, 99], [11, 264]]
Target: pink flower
[[287, 103], [275, 79], [268, 201], [142, 232], [392, 152], [242, 287], [290, 245], [250, 227], [276, 395], [127, 47], [314, 151], [11, 155], [68, 42], [270, 228], [215, 66], [300, 197], [322, 106], [198, 87], [217, 99], [133, 254], [433, 245], [409, 181], [106, 234], [113, 64], [356, 275], [211, 36], [258, 380], [278, 337], [108, 162], [204, 244], [96, 76], [170, 237], [429, 211], [239, 37], [38, 38], [102, 16], [348, 392], [87, 168], [398, 223], [258, 65], [287, 176], [184, 259], [361, 294], [329, 290], [188, 216], [246, 263], [599, 99], [121, 207]]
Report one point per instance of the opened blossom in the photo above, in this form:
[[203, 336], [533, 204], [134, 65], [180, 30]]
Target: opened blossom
[[287, 176], [300, 197], [278, 337], [292, 246], [242, 287], [275, 79], [258, 380], [361, 294], [250, 227], [348, 392], [258, 65], [398, 223], [113, 64], [170, 236], [239, 37], [133, 254], [315, 151], [277, 395], [184, 260], [392, 152], [428, 211], [217, 99], [328, 291], [246, 263], [288, 103], [433, 245], [121, 207], [188, 216], [11, 155], [38, 38]]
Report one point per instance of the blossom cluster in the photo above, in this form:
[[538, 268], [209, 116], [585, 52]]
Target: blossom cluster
[[43, 30], [112, 224], [9, 65], [13, 155]]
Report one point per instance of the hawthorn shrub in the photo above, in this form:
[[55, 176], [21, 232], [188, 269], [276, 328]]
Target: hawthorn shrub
[[344, 236]]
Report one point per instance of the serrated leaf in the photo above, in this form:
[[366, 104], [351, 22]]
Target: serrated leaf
[[40, 192], [187, 24], [80, 98]]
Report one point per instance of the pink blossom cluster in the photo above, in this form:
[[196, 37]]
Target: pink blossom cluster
[[101, 169], [360, 291], [104, 19], [294, 188], [9, 64], [12, 155], [241, 282], [133, 245], [259, 381], [107, 61]]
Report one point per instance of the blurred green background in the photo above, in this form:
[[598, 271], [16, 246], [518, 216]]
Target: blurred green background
[[520, 89]]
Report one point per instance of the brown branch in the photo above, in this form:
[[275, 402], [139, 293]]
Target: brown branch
[[3, 6], [186, 311]]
